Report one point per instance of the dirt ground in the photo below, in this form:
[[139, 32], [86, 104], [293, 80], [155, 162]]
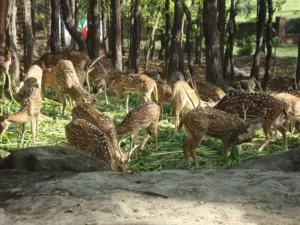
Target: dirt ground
[[210, 197]]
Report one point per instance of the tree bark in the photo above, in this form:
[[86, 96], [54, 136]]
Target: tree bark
[[176, 62], [70, 26], [221, 26], [73, 11], [162, 38], [47, 28], [28, 38], [298, 66], [116, 34], [135, 37], [269, 45], [261, 15], [62, 33], [188, 44], [54, 37], [2, 25], [199, 37], [93, 38], [104, 29], [212, 42], [11, 41], [168, 31], [151, 42], [32, 12]]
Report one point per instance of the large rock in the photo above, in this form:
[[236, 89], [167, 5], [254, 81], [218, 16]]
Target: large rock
[[53, 158], [285, 161]]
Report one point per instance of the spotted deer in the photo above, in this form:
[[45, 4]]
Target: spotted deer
[[165, 95], [208, 91], [296, 93], [29, 112], [133, 83], [265, 107], [215, 123], [139, 118], [32, 79], [292, 107], [66, 82], [88, 138]]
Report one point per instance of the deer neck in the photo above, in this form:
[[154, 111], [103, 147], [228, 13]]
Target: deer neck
[[19, 117]]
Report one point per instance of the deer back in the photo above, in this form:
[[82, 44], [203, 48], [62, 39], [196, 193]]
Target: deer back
[[140, 117], [182, 92], [208, 90], [292, 103], [257, 105]]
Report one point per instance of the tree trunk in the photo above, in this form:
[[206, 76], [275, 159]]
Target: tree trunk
[[212, 42], [47, 28], [104, 29], [11, 41], [135, 36], [93, 38], [188, 44], [298, 66], [176, 62], [261, 15], [168, 31], [32, 12], [62, 29], [162, 38], [116, 34], [229, 49], [221, 27], [2, 26], [269, 45], [28, 37], [152, 39], [54, 37], [73, 11], [199, 37], [70, 26]]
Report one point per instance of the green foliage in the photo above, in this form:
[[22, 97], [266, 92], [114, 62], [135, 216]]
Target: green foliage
[[246, 46]]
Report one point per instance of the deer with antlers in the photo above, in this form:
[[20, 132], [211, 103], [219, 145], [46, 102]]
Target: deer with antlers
[[29, 112], [265, 108], [215, 123]]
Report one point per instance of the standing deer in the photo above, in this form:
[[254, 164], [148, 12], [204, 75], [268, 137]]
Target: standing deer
[[29, 111], [270, 110], [66, 82], [208, 91], [139, 118], [215, 123]]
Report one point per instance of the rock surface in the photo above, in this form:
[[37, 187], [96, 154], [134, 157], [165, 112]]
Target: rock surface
[[53, 158]]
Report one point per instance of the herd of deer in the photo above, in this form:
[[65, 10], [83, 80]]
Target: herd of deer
[[232, 118]]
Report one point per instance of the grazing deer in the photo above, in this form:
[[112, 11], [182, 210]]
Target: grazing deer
[[32, 79], [292, 107], [29, 111], [215, 123], [66, 82], [133, 83], [248, 85], [208, 91], [141, 117], [270, 110], [87, 137]]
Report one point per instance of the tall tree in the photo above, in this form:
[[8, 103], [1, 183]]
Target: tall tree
[[116, 34], [135, 36], [54, 37], [199, 36], [28, 37], [298, 66], [69, 21], [168, 30], [105, 24], [212, 42], [260, 23], [176, 62], [2, 24], [221, 27], [11, 40], [93, 38], [269, 45], [47, 28], [188, 43]]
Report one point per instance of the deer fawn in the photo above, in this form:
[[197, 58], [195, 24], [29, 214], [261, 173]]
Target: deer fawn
[[214, 123], [66, 82], [141, 117], [133, 83], [270, 110], [292, 104], [29, 111], [32, 79]]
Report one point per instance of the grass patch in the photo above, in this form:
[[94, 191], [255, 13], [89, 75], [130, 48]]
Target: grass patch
[[169, 155]]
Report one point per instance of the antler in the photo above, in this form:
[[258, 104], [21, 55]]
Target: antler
[[90, 69]]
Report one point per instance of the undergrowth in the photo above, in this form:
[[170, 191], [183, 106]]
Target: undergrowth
[[169, 156]]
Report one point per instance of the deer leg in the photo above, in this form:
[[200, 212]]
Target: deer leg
[[116, 100], [155, 125], [146, 138], [161, 109], [268, 133], [133, 146], [186, 147], [282, 130], [105, 94], [33, 129], [178, 109], [127, 102], [227, 151], [23, 132], [37, 122], [195, 143]]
